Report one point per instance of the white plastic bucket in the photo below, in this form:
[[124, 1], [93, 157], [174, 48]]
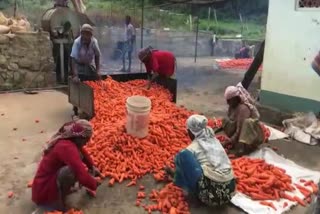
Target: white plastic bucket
[[138, 113]]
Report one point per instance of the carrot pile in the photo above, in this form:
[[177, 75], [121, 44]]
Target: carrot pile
[[170, 200], [241, 64], [121, 156], [262, 181], [72, 211]]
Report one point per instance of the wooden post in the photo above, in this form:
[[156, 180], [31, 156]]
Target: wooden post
[[209, 16], [15, 8], [196, 45], [216, 20], [254, 67], [142, 23]]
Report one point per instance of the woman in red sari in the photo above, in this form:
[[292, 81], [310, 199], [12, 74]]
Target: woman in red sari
[[62, 165], [158, 63]]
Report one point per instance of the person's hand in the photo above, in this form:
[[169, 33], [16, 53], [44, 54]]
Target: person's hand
[[76, 79], [95, 172], [149, 86]]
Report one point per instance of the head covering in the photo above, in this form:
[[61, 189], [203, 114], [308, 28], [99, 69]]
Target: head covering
[[87, 28], [144, 53], [77, 128], [212, 147], [240, 91], [188, 171]]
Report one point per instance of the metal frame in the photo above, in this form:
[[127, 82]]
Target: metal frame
[[82, 96]]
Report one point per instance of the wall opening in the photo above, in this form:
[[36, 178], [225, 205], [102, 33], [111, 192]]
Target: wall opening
[[308, 4]]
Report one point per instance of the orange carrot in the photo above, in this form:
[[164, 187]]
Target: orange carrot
[[300, 201], [270, 204], [29, 185], [132, 183], [10, 194]]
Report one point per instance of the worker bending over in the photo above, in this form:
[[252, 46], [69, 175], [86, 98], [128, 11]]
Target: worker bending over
[[62, 165], [203, 169], [85, 48], [242, 125], [158, 63]]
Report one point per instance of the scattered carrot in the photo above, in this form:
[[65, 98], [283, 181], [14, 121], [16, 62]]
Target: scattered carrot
[[141, 187], [312, 185], [302, 181], [299, 200], [269, 204], [120, 156], [132, 183], [259, 180], [111, 182], [72, 211], [241, 64], [10, 194], [168, 200]]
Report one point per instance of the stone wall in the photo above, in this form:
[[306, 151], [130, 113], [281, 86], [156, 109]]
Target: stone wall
[[25, 61]]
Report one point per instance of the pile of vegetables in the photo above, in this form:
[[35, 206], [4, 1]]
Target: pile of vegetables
[[13, 25], [72, 211], [262, 181], [241, 64], [122, 157]]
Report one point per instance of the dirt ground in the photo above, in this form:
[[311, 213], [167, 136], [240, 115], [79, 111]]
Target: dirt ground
[[200, 88]]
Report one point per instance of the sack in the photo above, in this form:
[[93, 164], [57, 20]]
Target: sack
[[16, 28], [4, 29], [316, 64], [3, 19]]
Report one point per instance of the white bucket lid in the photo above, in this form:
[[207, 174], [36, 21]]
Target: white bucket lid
[[139, 103]]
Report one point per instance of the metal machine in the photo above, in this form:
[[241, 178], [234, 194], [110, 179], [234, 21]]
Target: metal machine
[[82, 96], [63, 24]]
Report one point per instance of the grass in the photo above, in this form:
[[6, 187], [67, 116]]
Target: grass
[[154, 18]]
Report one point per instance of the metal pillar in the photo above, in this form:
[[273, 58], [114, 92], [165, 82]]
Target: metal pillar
[[196, 45], [142, 23]]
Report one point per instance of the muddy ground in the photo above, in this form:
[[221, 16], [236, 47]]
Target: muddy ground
[[200, 88]]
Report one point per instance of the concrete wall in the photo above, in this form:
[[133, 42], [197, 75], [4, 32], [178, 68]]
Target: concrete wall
[[25, 60], [180, 43], [292, 41]]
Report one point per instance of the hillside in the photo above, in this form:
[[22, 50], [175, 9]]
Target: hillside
[[161, 14]]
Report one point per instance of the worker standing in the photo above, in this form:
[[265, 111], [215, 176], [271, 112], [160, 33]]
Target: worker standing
[[129, 41], [159, 63], [85, 48]]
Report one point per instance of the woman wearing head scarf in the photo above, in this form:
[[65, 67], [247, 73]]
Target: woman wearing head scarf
[[203, 169], [158, 63], [242, 125], [62, 165]]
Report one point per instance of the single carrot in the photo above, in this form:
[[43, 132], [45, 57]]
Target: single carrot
[[132, 183], [270, 204], [111, 182], [10, 194], [29, 185], [299, 200]]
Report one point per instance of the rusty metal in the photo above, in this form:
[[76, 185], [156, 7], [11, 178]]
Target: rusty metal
[[82, 96]]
